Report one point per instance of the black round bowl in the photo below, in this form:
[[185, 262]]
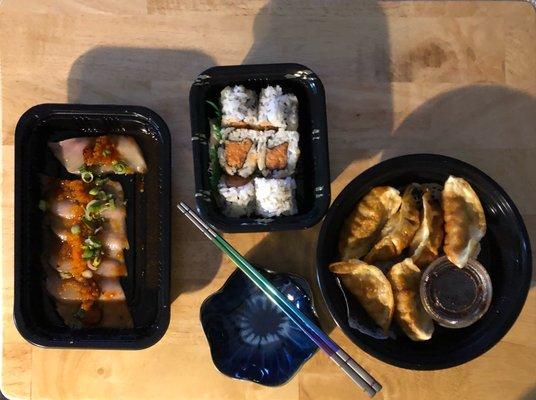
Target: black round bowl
[[505, 253]]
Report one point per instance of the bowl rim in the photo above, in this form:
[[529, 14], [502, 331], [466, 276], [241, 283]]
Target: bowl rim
[[517, 304]]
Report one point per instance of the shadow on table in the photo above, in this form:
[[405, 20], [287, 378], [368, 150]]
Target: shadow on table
[[529, 395], [346, 44], [489, 126], [159, 79]]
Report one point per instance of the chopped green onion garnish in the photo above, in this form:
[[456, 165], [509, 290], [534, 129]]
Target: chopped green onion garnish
[[92, 243], [75, 229], [102, 196], [92, 208], [87, 254], [79, 314], [65, 275], [94, 191], [43, 205], [86, 176], [96, 261], [119, 167], [111, 203], [87, 222], [106, 152], [100, 181]]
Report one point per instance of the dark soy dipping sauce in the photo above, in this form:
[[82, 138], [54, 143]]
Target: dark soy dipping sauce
[[454, 290], [456, 297]]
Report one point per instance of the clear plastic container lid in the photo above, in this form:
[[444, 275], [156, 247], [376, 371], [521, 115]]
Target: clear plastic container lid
[[455, 297]]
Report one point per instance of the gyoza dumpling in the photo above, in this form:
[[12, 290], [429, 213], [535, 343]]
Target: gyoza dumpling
[[370, 287], [399, 229], [405, 278], [465, 223], [362, 228], [426, 243]]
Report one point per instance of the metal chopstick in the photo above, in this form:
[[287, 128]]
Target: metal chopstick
[[358, 374]]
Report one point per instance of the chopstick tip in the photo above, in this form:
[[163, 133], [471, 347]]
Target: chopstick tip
[[183, 207]]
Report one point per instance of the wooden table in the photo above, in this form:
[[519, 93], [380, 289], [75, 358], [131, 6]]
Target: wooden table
[[457, 78]]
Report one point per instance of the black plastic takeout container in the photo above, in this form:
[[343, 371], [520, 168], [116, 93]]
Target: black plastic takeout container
[[312, 172], [148, 214], [505, 253]]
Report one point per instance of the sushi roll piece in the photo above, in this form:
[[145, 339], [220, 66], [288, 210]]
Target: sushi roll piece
[[238, 196], [275, 197], [277, 110], [278, 153], [238, 153], [239, 106]]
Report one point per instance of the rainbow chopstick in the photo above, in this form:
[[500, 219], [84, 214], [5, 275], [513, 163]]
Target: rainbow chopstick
[[322, 340]]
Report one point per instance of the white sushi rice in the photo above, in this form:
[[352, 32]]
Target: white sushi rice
[[277, 110], [238, 201], [237, 135], [272, 139], [275, 197], [239, 106]]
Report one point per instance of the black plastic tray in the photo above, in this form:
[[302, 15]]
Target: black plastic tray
[[312, 172], [148, 216]]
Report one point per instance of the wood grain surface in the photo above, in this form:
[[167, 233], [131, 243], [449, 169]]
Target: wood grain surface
[[457, 78]]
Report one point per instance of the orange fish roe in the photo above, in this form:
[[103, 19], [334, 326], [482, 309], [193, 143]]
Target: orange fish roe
[[71, 249], [76, 192], [102, 152]]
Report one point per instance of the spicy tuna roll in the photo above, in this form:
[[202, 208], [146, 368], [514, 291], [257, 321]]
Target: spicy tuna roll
[[238, 153], [238, 195], [275, 197], [277, 109], [239, 106], [278, 153]]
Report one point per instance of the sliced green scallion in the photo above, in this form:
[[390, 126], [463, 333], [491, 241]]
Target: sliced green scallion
[[102, 196], [86, 174], [119, 167], [75, 229], [43, 206], [106, 152], [96, 260], [101, 181], [87, 254], [92, 243], [92, 209], [94, 191], [79, 314], [65, 275]]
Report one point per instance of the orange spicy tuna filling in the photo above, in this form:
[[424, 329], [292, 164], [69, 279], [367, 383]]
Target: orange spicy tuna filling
[[102, 152], [237, 152]]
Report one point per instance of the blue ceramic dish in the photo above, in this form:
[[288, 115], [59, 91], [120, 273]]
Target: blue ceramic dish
[[249, 337]]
